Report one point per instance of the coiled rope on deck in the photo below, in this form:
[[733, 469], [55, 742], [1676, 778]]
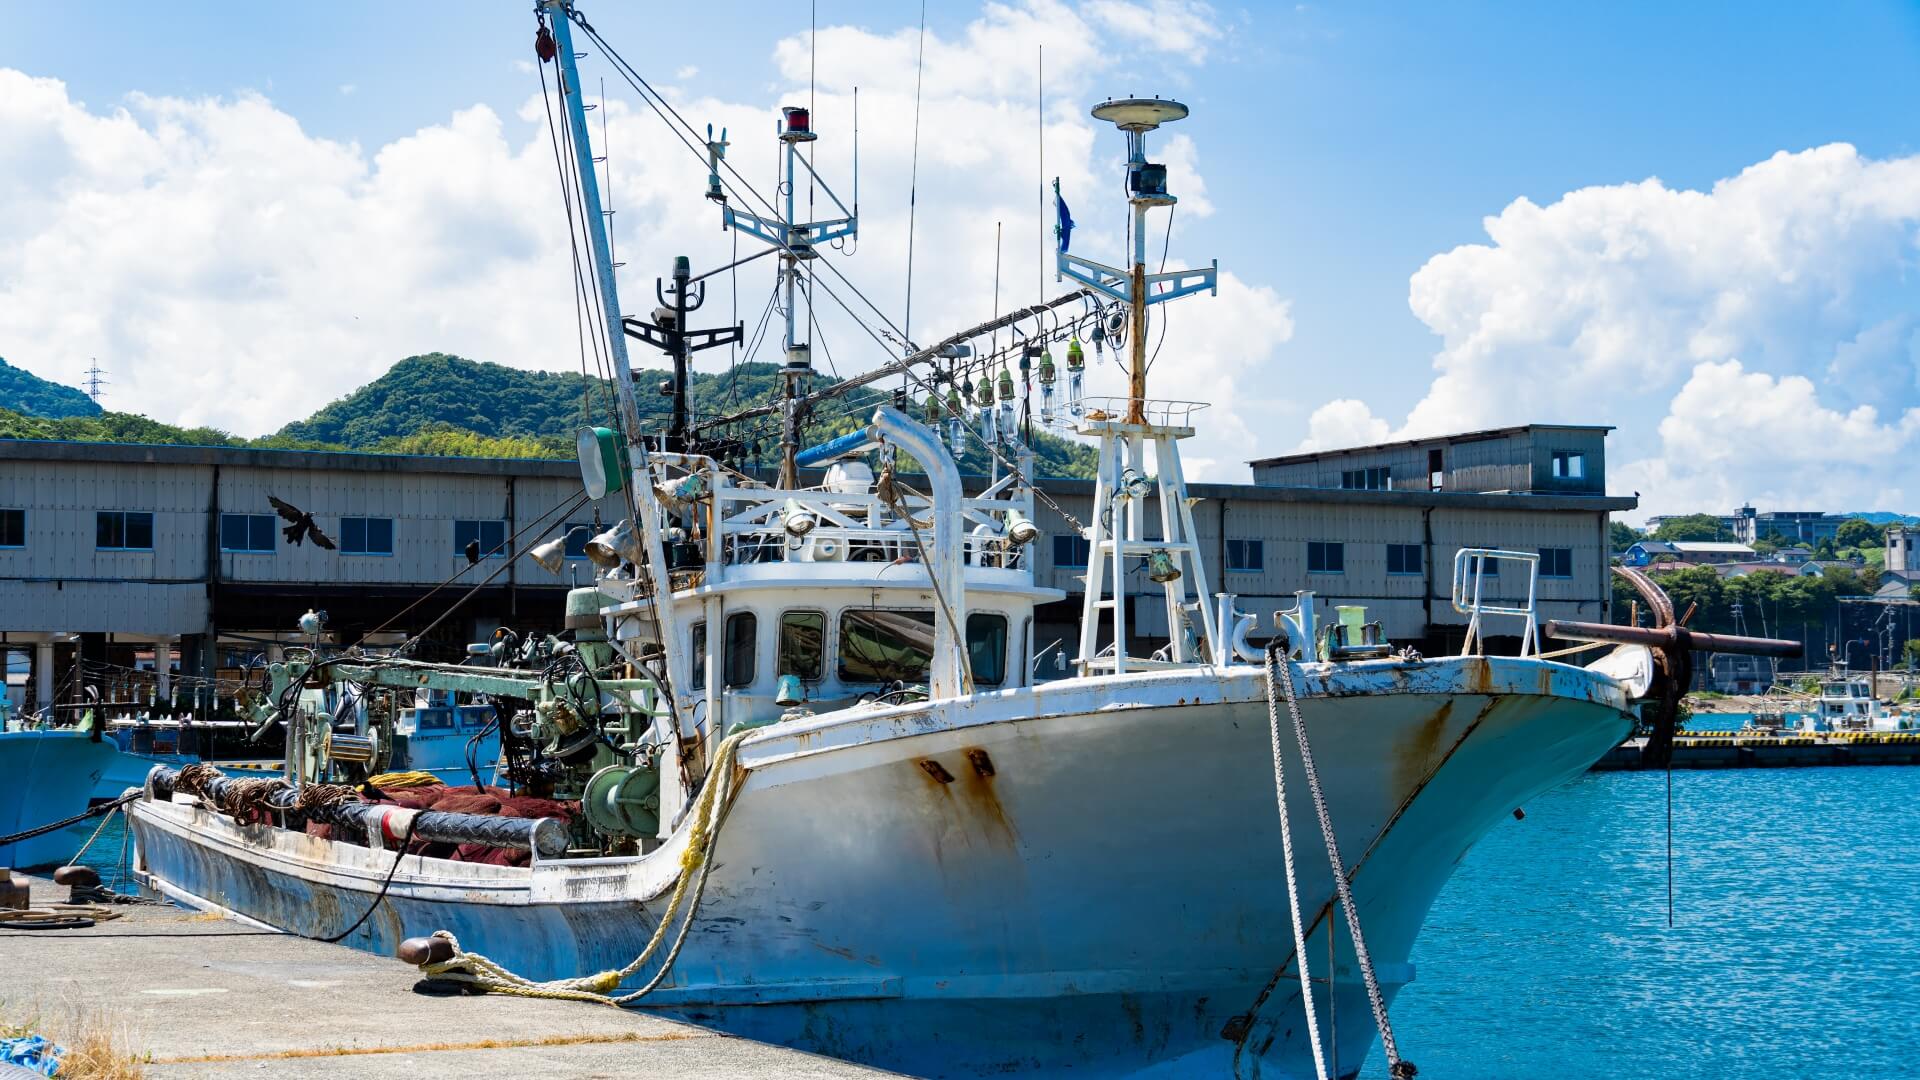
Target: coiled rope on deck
[[1397, 1068], [715, 799]]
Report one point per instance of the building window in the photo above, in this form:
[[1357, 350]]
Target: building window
[[123, 530], [803, 644], [1556, 562], [578, 533], [1488, 566], [885, 646], [13, 528], [491, 535], [1436, 469], [1569, 465], [1326, 558], [1247, 555], [1378, 478], [366, 536], [987, 648], [743, 633], [1071, 551], [1403, 559], [247, 532]]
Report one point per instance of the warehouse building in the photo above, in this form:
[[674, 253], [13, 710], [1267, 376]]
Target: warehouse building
[[173, 556]]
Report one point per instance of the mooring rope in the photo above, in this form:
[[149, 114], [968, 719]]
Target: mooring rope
[[1293, 881], [715, 799], [1396, 1068], [89, 812]]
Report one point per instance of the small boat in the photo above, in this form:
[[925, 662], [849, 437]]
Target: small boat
[[1845, 703]]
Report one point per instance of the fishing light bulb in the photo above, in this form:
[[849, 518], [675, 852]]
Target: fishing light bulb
[[1009, 421], [956, 424], [1046, 386], [933, 409]]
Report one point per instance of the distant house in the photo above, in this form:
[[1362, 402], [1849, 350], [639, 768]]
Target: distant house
[[1697, 552], [1794, 555], [1742, 569]]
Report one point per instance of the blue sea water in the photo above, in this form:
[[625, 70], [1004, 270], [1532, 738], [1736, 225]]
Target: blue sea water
[[1795, 950]]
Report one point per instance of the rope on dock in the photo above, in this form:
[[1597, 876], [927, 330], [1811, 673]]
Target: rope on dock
[[715, 800], [1397, 1068]]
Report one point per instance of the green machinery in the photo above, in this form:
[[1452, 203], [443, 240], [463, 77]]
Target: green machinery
[[576, 723]]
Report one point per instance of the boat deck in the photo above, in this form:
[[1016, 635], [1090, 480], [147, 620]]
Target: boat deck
[[213, 998]]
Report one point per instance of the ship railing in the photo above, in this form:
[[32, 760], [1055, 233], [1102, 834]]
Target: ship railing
[[1158, 412], [759, 525], [1476, 575]]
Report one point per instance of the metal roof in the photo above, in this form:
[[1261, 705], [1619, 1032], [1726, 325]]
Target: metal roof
[[1459, 437]]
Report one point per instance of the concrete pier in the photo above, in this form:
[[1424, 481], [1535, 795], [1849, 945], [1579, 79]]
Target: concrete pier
[[204, 997], [1733, 750]]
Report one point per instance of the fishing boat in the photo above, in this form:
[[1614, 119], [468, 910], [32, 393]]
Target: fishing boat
[[1845, 702], [818, 795], [50, 771]]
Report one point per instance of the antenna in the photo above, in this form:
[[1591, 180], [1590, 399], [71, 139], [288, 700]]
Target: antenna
[[94, 380], [1147, 188], [797, 241]]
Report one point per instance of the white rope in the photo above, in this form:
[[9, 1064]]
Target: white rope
[[1395, 1067], [1293, 882]]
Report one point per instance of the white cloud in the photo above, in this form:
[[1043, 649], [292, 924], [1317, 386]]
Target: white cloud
[[347, 89], [230, 268], [1182, 27], [1598, 308], [686, 73]]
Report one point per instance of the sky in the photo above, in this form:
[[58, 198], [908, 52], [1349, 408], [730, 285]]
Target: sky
[[1698, 223]]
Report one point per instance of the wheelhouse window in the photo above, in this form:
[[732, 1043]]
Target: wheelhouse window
[[743, 631], [1403, 559], [885, 646], [366, 536], [1070, 551], [491, 535], [1247, 555], [13, 528], [803, 644], [987, 648], [1556, 562], [1326, 558], [123, 530], [697, 673], [247, 532]]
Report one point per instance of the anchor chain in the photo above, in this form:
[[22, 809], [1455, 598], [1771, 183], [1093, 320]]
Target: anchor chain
[[1397, 1068]]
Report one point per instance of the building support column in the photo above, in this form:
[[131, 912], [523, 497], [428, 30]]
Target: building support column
[[43, 676], [163, 672]]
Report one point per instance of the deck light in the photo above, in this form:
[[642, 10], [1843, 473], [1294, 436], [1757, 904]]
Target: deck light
[[1020, 528], [798, 522]]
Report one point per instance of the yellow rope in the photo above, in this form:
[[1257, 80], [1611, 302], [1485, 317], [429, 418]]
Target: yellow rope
[[469, 967], [398, 781]]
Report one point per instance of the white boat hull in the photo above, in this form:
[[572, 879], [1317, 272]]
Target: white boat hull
[[1098, 887]]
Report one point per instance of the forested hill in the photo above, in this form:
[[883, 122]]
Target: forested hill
[[442, 394], [28, 394]]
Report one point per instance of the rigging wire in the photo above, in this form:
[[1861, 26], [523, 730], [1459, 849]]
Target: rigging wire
[[913, 172], [1165, 245]]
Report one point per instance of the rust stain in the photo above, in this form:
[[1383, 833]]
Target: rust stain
[[1479, 676], [975, 794], [982, 764], [844, 954], [936, 770], [1413, 756]]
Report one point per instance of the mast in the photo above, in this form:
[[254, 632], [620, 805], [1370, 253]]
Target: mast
[[797, 241], [575, 108]]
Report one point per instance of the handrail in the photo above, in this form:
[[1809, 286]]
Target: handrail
[[1469, 594]]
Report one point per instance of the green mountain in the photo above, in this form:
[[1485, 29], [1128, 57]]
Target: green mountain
[[448, 406], [22, 392], [441, 398]]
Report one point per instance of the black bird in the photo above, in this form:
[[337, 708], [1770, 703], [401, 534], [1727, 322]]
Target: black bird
[[302, 528], [473, 552]]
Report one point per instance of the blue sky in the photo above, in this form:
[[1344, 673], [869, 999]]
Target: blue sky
[[1342, 146]]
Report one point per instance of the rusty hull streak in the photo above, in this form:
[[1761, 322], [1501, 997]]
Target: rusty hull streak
[[1239, 1027], [1410, 758]]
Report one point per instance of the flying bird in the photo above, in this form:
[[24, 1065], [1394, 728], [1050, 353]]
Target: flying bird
[[473, 552], [303, 526]]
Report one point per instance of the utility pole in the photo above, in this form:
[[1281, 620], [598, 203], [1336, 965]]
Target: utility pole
[[668, 332]]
